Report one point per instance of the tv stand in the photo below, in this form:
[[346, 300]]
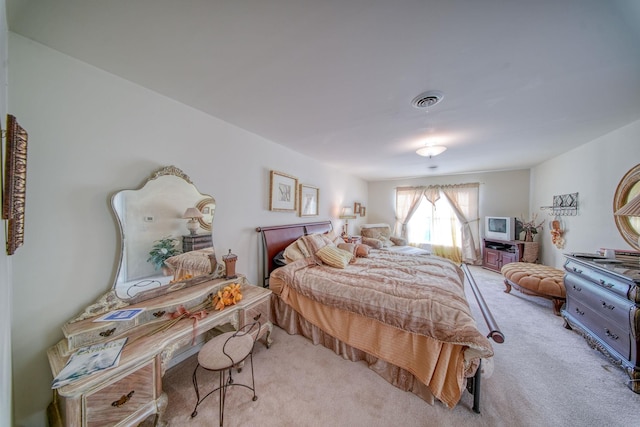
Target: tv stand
[[497, 253]]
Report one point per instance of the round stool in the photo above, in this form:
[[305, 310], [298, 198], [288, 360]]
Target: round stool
[[221, 354]]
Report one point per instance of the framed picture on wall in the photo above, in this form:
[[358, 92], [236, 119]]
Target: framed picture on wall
[[282, 192], [308, 197], [15, 184], [356, 208], [363, 211]]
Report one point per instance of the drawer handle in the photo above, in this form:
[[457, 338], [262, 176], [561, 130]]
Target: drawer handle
[[605, 284], [159, 313], [124, 399], [609, 306], [257, 317], [576, 270], [577, 288], [581, 313], [610, 335], [108, 332]]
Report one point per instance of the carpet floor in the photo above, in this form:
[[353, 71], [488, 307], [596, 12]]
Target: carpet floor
[[543, 375]]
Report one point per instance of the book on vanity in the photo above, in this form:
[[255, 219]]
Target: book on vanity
[[87, 360]]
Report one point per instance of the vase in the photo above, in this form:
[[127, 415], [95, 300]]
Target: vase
[[528, 236], [166, 271]]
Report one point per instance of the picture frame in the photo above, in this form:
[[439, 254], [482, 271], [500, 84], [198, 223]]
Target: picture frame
[[356, 208], [363, 211], [282, 192], [308, 197], [15, 183]]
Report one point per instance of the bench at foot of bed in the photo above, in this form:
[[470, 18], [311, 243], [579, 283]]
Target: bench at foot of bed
[[537, 280]]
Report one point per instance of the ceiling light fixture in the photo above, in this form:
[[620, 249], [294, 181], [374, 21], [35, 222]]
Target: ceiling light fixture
[[431, 150]]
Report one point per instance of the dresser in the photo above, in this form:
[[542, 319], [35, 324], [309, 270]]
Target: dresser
[[603, 305], [132, 391], [193, 242]]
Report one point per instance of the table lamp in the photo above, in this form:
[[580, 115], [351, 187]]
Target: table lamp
[[192, 214], [346, 214]]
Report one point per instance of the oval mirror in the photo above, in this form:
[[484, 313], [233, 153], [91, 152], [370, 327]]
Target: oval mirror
[[148, 215], [628, 188]]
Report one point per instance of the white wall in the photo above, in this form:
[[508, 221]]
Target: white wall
[[593, 171], [6, 276], [91, 134], [501, 193]]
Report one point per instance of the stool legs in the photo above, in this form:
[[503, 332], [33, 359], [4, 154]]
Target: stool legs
[[224, 382]]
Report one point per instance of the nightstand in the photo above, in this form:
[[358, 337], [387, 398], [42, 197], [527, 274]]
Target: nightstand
[[194, 242], [352, 239]]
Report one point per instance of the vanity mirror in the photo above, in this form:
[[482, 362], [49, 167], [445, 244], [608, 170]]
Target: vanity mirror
[[628, 189], [152, 213]]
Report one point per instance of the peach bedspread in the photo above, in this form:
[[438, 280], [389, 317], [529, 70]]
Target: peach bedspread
[[409, 311]]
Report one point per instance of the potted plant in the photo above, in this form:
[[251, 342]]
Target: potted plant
[[530, 228], [162, 249]]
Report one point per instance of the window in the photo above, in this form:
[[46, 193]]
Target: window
[[435, 224], [443, 217]]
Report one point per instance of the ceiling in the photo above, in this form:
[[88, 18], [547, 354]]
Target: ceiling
[[523, 81]]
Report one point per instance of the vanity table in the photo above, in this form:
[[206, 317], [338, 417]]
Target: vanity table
[[603, 305], [128, 393], [132, 391]]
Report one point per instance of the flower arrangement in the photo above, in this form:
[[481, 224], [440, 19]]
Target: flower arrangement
[[162, 249], [530, 228]]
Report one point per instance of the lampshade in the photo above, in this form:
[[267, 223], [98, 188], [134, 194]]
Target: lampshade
[[630, 209], [347, 213], [431, 150], [192, 213]]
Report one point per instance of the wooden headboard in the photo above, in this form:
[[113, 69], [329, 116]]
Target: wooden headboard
[[276, 238]]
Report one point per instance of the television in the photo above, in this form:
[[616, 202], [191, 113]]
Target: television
[[500, 227]]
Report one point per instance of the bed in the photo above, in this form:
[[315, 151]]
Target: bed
[[406, 316]]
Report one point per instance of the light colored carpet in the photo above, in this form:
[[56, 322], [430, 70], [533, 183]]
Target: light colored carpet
[[544, 375]]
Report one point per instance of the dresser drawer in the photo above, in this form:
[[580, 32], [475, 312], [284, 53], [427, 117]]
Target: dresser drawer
[[258, 312], [608, 305], [602, 279], [109, 405], [613, 334]]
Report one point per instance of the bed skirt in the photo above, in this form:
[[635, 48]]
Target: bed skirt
[[288, 319]]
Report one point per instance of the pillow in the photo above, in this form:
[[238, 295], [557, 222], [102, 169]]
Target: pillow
[[295, 251], [202, 260], [279, 260], [334, 237], [398, 241], [349, 247], [334, 256], [374, 243], [362, 251]]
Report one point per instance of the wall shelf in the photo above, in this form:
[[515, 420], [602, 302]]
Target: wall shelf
[[563, 205]]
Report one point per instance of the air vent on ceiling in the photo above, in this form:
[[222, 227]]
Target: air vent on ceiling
[[427, 99]]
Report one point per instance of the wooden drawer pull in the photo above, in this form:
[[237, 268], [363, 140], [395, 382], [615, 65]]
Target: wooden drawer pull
[[124, 399], [610, 335], [257, 317], [159, 313], [609, 306], [108, 332]]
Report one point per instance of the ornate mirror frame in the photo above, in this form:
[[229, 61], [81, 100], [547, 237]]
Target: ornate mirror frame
[[15, 184], [629, 187]]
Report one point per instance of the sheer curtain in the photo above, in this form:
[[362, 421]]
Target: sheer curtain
[[464, 202], [407, 201]]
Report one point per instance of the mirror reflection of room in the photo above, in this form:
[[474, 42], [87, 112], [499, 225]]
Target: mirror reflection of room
[[162, 219]]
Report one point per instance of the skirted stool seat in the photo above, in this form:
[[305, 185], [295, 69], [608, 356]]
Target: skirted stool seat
[[536, 279], [223, 353]]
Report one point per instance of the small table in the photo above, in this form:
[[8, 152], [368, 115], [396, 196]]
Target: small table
[[352, 239]]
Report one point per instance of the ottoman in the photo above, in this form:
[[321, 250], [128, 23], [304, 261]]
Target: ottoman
[[536, 279]]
